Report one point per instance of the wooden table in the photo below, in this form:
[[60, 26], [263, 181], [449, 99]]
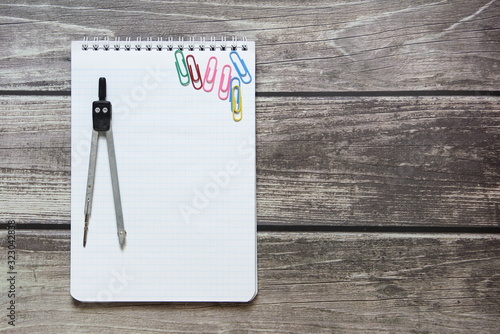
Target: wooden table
[[378, 188]]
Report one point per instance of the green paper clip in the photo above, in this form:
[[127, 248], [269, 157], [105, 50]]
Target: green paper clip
[[179, 72]]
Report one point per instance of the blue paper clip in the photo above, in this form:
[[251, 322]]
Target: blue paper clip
[[179, 72], [232, 86], [244, 75]]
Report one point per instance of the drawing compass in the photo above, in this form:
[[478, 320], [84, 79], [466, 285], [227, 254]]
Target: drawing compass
[[101, 122]]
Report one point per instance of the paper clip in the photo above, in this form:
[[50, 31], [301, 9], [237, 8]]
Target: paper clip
[[244, 75], [233, 85], [179, 72], [228, 84], [237, 104], [208, 84], [198, 74]]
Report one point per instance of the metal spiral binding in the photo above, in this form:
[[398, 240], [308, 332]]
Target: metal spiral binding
[[150, 44]]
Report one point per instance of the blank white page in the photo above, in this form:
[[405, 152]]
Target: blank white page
[[186, 172]]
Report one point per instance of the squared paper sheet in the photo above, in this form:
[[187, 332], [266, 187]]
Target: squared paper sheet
[[186, 171]]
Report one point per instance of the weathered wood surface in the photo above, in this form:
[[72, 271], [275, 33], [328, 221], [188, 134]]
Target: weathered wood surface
[[393, 161], [308, 283], [318, 46], [345, 161]]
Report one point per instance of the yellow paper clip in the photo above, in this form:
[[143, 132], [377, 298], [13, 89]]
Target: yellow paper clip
[[237, 104]]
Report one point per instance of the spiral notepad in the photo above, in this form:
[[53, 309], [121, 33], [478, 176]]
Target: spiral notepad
[[184, 136]]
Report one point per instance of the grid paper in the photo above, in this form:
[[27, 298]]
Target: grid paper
[[186, 171]]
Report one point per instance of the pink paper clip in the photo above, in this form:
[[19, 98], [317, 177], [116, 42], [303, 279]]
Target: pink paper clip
[[228, 83], [198, 74], [209, 83]]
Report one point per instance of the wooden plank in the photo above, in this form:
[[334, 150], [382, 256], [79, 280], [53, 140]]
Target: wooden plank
[[350, 161], [379, 161], [308, 283], [35, 164], [319, 46]]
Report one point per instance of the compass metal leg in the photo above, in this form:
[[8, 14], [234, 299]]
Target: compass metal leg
[[90, 183], [116, 187]]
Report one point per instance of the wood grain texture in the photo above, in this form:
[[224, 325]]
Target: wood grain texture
[[349, 161], [35, 159], [379, 161], [314, 46], [308, 283]]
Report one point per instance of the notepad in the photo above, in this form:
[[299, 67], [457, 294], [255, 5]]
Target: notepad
[[185, 156]]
